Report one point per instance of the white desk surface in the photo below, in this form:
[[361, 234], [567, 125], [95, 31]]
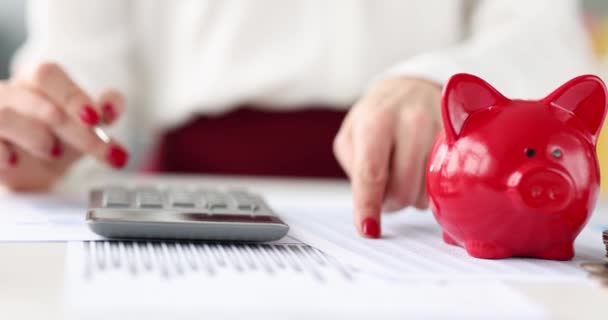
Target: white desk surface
[[31, 274]]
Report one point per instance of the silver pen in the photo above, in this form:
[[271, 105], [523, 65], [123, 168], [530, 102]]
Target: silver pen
[[101, 134]]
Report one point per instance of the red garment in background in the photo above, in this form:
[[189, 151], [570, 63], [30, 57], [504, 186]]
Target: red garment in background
[[249, 141]]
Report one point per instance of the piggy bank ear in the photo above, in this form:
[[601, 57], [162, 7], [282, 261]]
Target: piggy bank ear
[[585, 96], [463, 95]]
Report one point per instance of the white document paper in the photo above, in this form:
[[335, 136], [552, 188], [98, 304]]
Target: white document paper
[[411, 247], [43, 217], [162, 280], [284, 280]]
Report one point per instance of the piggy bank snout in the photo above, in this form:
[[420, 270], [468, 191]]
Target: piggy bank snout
[[546, 189]]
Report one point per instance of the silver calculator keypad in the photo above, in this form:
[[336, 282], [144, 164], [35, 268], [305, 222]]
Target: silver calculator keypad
[[210, 201]]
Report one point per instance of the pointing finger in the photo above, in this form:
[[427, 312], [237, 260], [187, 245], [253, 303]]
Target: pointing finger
[[372, 147]]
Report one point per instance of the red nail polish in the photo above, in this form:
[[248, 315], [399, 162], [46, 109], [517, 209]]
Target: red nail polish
[[108, 112], [12, 159], [57, 149], [370, 228], [88, 115], [117, 156]]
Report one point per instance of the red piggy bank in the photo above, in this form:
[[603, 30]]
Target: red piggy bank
[[516, 177]]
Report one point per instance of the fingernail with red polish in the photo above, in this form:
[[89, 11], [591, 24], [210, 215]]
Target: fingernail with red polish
[[370, 228], [117, 156], [88, 115], [12, 159], [57, 150], [108, 112]]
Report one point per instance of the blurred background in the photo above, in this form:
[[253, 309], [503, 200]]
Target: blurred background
[[12, 31], [12, 34], [596, 17]]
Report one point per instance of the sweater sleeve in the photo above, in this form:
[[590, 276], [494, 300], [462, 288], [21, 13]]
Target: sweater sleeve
[[524, 48], [91, 40]]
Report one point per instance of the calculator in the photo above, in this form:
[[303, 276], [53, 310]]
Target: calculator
[[182, 213]]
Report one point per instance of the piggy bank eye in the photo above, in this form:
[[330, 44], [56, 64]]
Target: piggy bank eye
[[556, 153], [530, 153]]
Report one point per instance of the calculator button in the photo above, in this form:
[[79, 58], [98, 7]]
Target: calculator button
[[247, 206], [217, 206], [182, 199], [244, 201], [149, 199], [215, 200], [116, 198]]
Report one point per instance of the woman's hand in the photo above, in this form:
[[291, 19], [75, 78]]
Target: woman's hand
[[383, 144], [46, 123]]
